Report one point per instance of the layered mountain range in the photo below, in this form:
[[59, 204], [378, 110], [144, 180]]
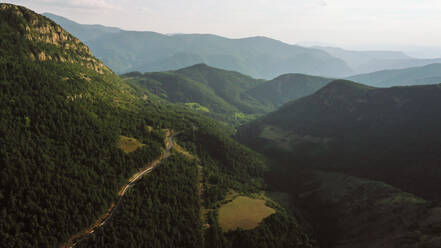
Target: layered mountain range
[[428, 74], [362, 62], [93, 159], [261, 57], [124, 51], [226, 95]]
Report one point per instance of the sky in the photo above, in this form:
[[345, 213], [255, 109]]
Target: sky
[[412, 25]]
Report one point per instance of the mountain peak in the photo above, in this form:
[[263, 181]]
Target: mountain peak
[[199, 66], [342, 90], [202, 67], [342, 85], [292, 76], [46, 40], [40, 29]]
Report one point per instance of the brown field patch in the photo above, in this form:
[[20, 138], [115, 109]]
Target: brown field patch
[[128, 144], [243, 212]]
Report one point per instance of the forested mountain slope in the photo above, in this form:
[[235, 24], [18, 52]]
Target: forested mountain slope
[[226, 95], [391, 134], [260, 57], [218, 93], [67, 130], [229, 85]]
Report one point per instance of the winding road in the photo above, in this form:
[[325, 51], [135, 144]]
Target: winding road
[[169, 144]]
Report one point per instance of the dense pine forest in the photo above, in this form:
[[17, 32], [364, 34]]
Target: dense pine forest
[[62, 114], [161, 211]]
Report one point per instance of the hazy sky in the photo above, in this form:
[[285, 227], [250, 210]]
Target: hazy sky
[[352, 23]]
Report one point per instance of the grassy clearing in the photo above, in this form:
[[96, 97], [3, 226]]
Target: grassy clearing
[[243, 212], [128, 144]]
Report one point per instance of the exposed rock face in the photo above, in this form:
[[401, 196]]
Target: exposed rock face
[[41, 30]]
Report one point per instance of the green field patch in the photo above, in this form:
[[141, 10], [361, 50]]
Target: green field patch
[[128, 144], [243, 212]]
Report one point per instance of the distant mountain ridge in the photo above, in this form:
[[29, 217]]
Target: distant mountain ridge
[[428, 74], [86, 30], [356, 59], [391, 64], [260, 57], [372, 61]]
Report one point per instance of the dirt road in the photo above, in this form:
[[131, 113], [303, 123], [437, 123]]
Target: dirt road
[[133, 179]]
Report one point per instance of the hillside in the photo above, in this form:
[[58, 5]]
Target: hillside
[[428, 74], [180, 89], [229, 85], [389, 134], [343, 147], [260, 57], [73, 133], [217, 93], [226, 95]]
